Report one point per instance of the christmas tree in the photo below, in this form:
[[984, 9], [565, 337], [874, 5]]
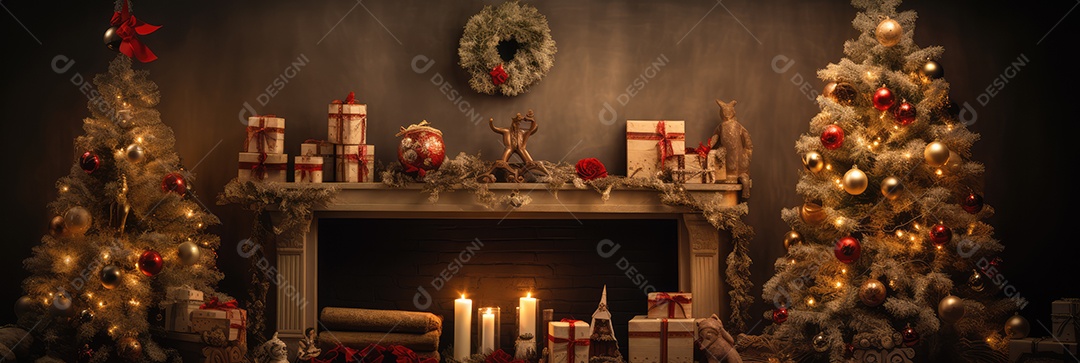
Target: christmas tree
[[127, 228], [884, 255]]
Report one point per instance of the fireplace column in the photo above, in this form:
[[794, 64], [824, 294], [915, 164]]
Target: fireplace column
[[295, 283], [700, 267]]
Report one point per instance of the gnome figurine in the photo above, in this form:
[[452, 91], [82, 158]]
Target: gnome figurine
[[603, 347], [735, 141]]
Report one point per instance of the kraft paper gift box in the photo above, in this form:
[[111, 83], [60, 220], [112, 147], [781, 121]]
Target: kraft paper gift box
[[661, 340], [178, 315], [199, 325], [265, 134], [308, 169], [1039, 349], [184, 294], [355, 163], [650, 143], [263, 167], [568, 341], [694, 167], [1063, 316], [347, 122], [323, 149], [671, 305]]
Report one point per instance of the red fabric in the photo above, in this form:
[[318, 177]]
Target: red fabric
[[498, 75], [500, 356], [306, 170], [373, 353], [332, 355], [663, 138], [127, 28], [702, 150], [590, 168], [672, 301], [571, 342]]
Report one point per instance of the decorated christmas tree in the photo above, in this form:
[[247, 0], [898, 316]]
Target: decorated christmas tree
[[884, 257], [127, 229]]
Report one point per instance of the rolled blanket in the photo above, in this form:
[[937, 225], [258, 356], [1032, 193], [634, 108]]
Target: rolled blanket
[[427, 342], [384, 321]]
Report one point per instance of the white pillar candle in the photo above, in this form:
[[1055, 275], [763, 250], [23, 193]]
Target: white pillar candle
[[462, 328], [487, 343], [527, 315]]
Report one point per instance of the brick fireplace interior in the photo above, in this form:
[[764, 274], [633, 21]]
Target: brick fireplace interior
[[380, 263]]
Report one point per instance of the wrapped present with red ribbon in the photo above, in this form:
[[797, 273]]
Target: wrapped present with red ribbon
[[323, 149], [347, 122], [661, 340], [355, 163], [308, 169], [671, 305], [225, 316], [650, 143], [261, 167], [178, 315], [568, 341], [697, 166], [265, 134]]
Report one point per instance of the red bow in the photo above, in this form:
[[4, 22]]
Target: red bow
[[672, 301], [702, 150], [498, 75], [127, 28], [350, 99], [571, 342], [339, 350], [216, 304]]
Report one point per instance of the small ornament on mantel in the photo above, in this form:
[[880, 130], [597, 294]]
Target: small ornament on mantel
[[421, 149], [603, 346], [735, 140], [514, 139]]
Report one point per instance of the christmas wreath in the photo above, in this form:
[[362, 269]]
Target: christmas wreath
[[506, 49]]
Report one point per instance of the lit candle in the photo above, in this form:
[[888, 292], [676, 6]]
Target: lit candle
[[462, 328], [487, 343], [527, 315]]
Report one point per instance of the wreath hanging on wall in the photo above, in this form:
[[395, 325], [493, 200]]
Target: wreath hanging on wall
[[506, 49]]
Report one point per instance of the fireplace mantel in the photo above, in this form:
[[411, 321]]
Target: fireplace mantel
[[701, 245]]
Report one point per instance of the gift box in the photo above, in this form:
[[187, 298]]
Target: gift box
[[183, 294], [1063, 316], [650, 143], [178, 315], [348, 122], [568, 341], [661, 340], [671, 305], [1025, 349], [226, 317], [265, 134], [263, 167], [323, 149], [695, 167], [355, 163], [308, 169]]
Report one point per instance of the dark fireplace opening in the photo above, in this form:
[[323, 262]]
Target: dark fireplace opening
[[425, 264]]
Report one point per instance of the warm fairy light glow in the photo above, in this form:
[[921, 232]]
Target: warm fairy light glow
[[104, 255], [916, 226], [971, 229], [900, 233], [876, 142], [938, 172], [89, 295], [112, 329], [828, 166], [907, 155], [938, 247], [101, 303], [138, 140], [792, 261], [199, 225], [810, 301], [134, 302], [67, 260], [949, 127], [190, 213], [843, 270], [63, 188], [839, 284], [839, 221]]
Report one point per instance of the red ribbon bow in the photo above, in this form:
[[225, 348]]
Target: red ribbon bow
[[216, 304], [498, 75], [571, 342], [307, 170], [261, 134], [350, 99], [127, 28], [672, 301], [338, 351], [702, 150], [361, 160]]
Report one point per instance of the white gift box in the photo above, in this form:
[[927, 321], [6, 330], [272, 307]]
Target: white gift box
[[265, 134], [671, 305], [649, 143], [308, 169], [323, 149], [263, 167], [661, 340], [178, 315], [568, 341], [347, 123], [1063, 318], [184, 294], [355, 163]]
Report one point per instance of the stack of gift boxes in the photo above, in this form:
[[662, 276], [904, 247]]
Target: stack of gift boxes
[[657, 148], [263, 157], [353, 157], [1061, 345], [215, 323], [666, 334]]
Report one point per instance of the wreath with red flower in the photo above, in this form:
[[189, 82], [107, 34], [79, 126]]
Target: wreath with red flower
[[506, 49]]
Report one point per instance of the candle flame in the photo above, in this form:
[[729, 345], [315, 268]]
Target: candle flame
[[462, 296], [528, 295], [488, 311]]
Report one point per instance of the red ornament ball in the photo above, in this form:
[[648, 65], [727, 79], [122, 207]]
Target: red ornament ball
[[421, 149], [833, 137], [780, 315], [904, 114], [89, 162], [150, 263], [174, 182], [940, 235], [847, 249], [910, 336], [883, 98], [973, 203]]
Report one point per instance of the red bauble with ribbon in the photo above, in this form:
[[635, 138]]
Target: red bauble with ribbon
[[174, 182], [421, 149], [847, 249], [833, 137], [89, 162], [150, 263], [904, 114], [123, 34], [940, 235], [883, 98]]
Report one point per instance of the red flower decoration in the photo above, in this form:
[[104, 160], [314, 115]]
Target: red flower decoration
[[590, 168], [128, 28], [498, 75]]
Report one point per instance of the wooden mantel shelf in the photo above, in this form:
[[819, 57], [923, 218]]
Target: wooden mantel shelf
[[377, 197]]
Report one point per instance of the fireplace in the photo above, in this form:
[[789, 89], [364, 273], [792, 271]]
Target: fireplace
[[631, 242]]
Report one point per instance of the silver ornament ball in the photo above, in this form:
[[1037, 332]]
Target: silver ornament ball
[[134, 152], [188, 253], [820, 343]]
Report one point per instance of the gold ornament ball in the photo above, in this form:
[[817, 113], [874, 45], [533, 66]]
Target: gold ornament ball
[[188, 253], [936, 154], [820, 342], [872, 292], [129, 349], [855, 181], [812, 213], [1017, 327], [951, 309], [77, 221], [888, 32], [813, 161], [134, 152], [792, 238], [56, 226], [891, 188]]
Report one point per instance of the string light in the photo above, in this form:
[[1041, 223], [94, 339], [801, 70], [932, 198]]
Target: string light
[[190, 213], [810, 301], [907, 155], [67, 260], [843, 270], [839, 221], [828, 166], [899, 234], [839, 284], [138, 140], [63, 188], [938, 172]]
